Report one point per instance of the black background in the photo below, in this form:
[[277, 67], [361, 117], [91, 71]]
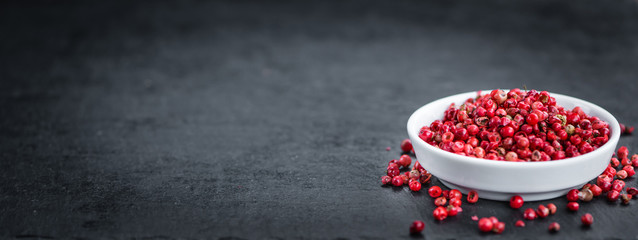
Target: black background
[[244, 119]]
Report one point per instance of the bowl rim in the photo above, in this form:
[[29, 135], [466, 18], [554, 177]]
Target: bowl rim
[[613, 139]]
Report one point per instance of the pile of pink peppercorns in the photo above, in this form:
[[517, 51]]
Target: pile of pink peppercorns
[[413, 178], [448, 202], [610, 182], [516, 126]]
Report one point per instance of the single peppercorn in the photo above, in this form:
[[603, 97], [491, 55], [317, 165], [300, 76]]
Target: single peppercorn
[[585, 195], [516, 202], [445, 193], [397, 181], [552, 208], [587, 219], [529, 214], [542, 211], [440, 201], [385, 180], [485, 225], [499, 227], [472, 197], [622, 152], [572, 195], [625, 198], [633, 191], [414, 174], [455, 193], [614, 162], [405, 160], [630, 170], [406, 145], [554, 227], [440, 213], [618, 185], [622, 174], [434, 191], [405, 178], [455, 202], [415, 185], [417, 227], [493, 219], [532, 119], [595, 190], [573, 206], [613, 195], [425, 177], [453, 210], [447, 137], [519, 223]]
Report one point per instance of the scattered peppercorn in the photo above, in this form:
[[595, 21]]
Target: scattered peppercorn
[[503, 147], [472, 197], [595, 190], [417, 227], [397, 181], [587, 219], [440, 201], [554, 227], [440, 213], [434, 191], [405, 160], [529, 214], [385, 180], [613, 195], [542, 211], [618, 185], [499, 227], [415, 185], [552, 208], [625, 198], [573, 206], [585, 195], [406, 145], [572, 195], [455, 193], [485, 225], [516, 202], [455, 202], [453, 210]]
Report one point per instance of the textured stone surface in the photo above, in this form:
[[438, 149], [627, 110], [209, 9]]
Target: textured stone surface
[[244, 119]]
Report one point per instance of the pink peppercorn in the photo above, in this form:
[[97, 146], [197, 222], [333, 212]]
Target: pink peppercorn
[[406, 145], [529, 214]]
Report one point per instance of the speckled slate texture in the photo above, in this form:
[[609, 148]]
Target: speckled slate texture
[[269, 120]]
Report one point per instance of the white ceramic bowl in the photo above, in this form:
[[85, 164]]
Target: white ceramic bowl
[[500, 180]]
